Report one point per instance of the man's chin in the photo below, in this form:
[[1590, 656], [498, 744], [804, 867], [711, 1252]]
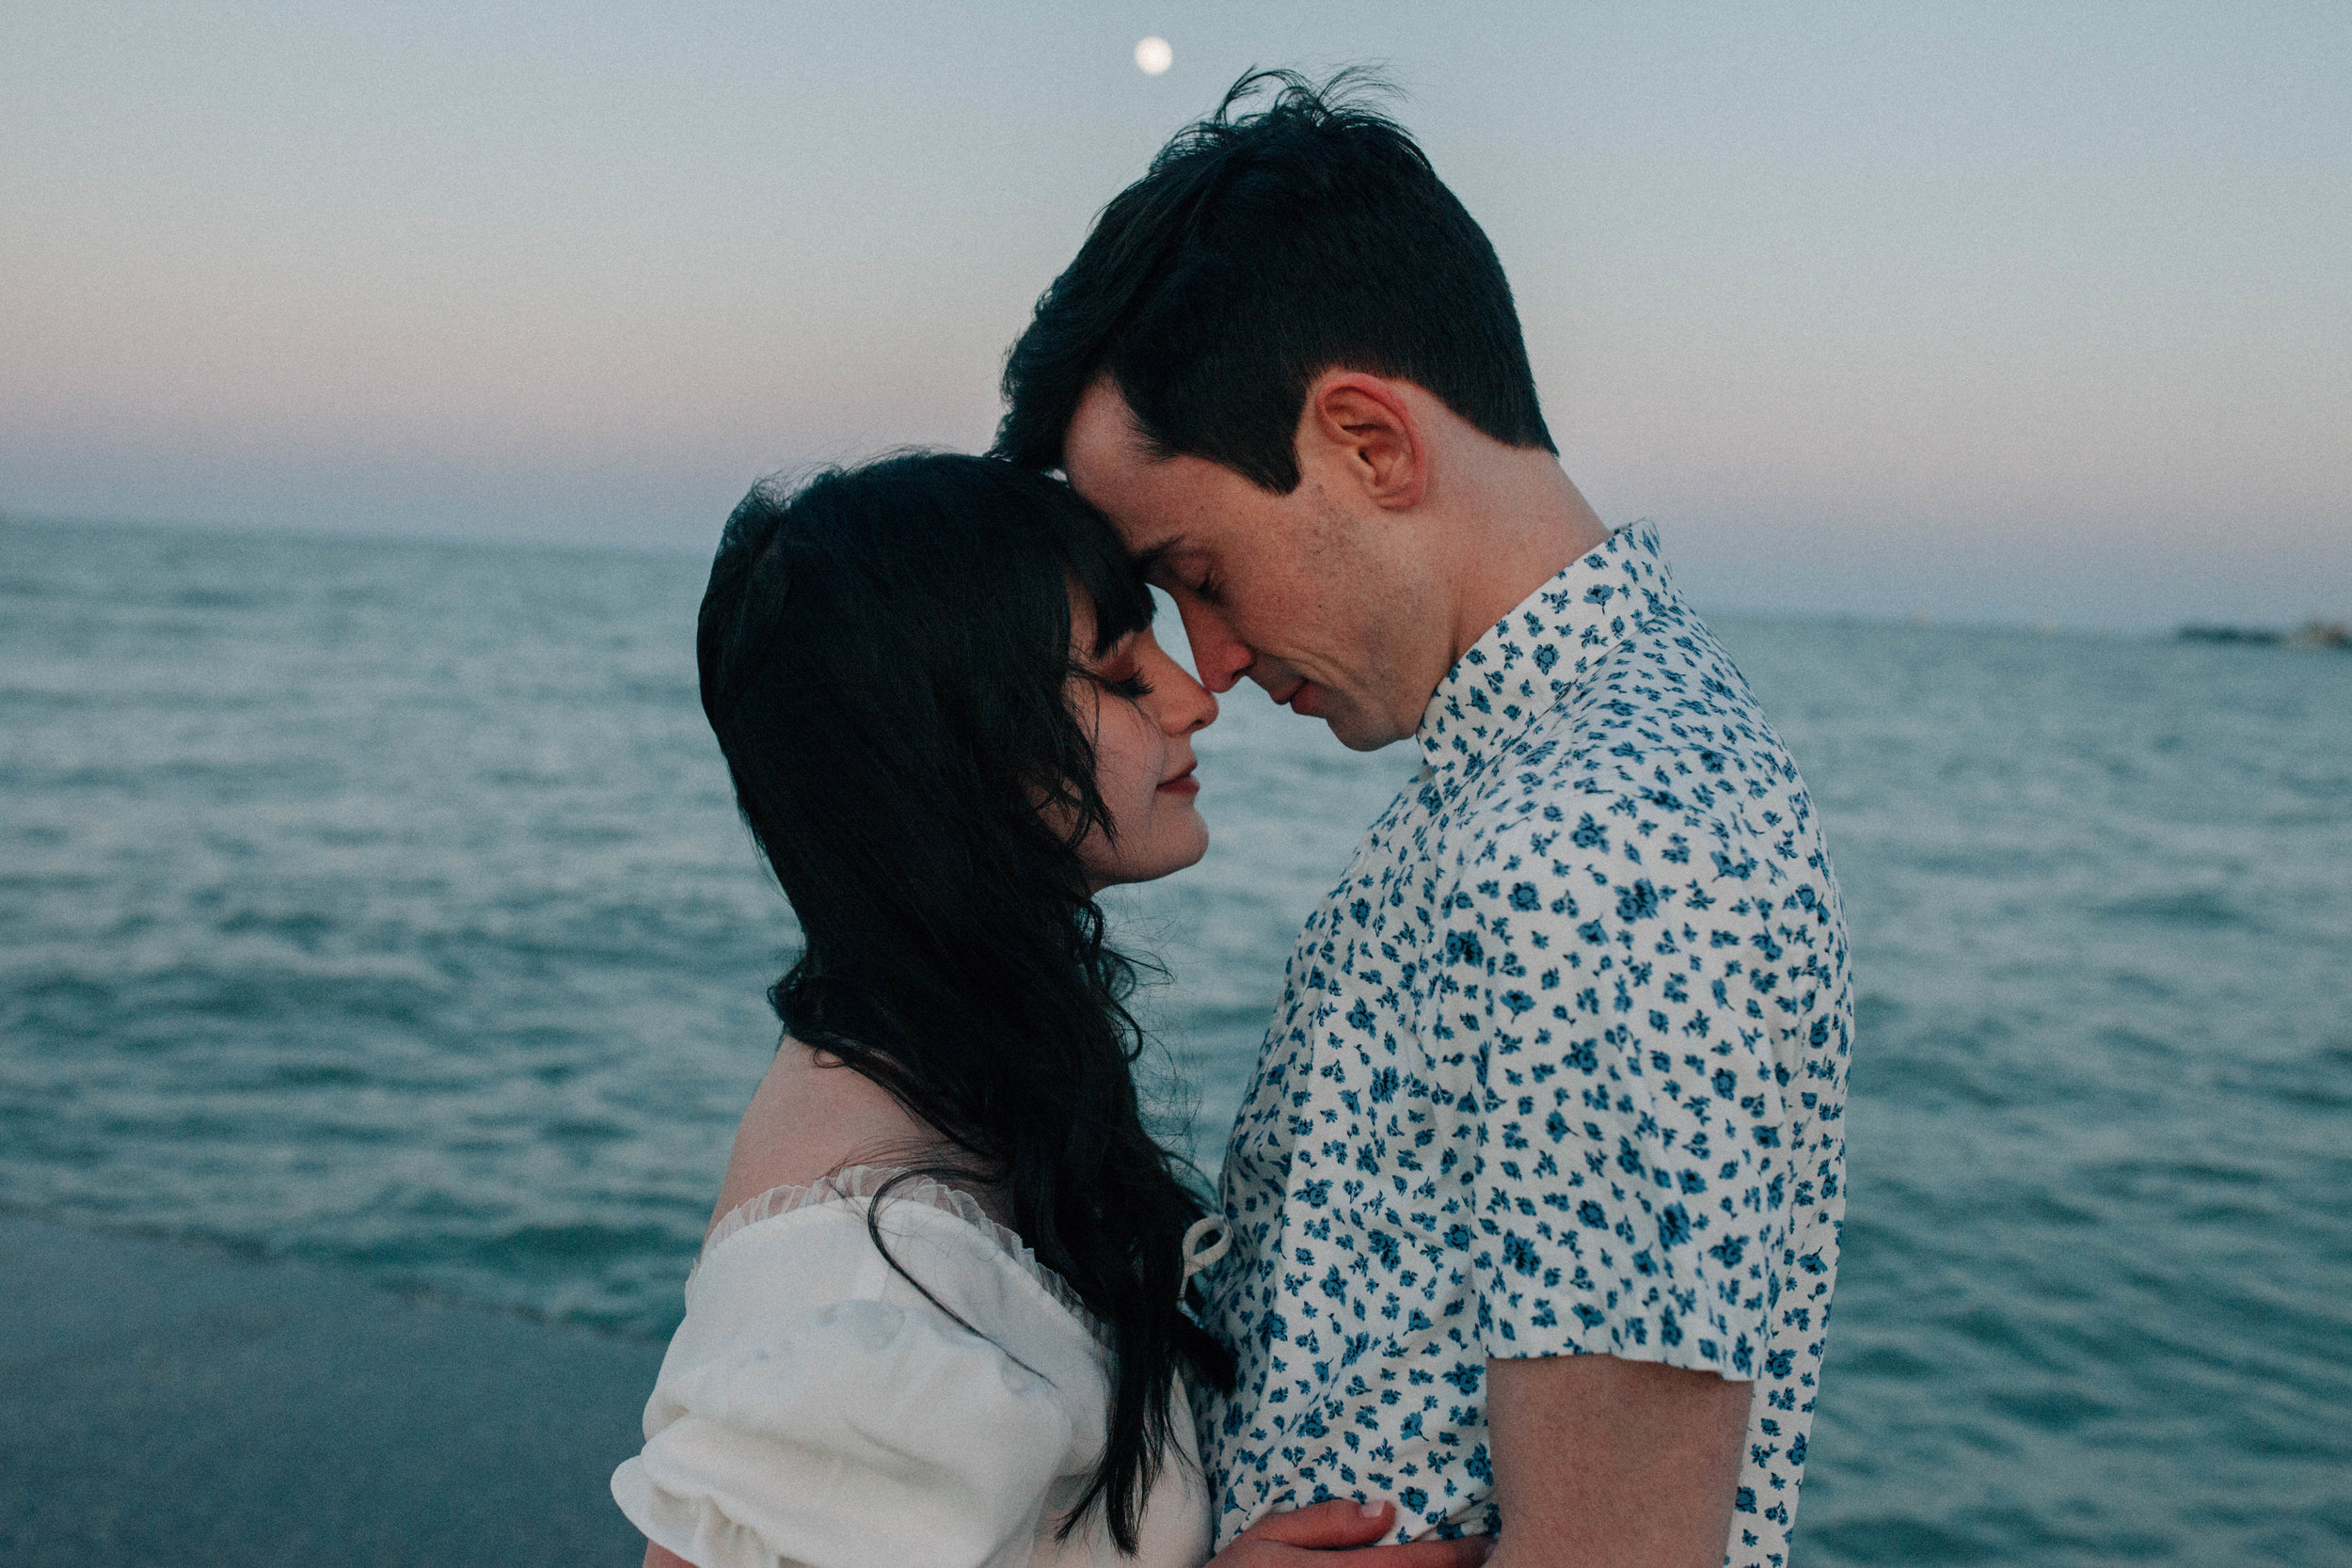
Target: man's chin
[[1349, 725], [1362, 738]]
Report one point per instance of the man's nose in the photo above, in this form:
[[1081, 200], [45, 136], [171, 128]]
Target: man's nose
[[1217, 654]]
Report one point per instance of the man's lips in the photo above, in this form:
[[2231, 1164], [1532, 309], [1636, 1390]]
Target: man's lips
[[1301, 699]]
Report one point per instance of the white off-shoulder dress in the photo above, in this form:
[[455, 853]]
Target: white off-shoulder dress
[[815, 1409]]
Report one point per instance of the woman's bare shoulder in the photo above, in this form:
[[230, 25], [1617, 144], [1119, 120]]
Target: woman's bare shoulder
[[811, 1116]]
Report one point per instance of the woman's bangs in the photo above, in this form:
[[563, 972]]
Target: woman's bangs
[[1099, 564]]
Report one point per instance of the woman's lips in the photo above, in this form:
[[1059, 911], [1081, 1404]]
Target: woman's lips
[[1183, 784]]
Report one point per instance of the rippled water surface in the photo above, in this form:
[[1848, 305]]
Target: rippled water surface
[[382, 904]]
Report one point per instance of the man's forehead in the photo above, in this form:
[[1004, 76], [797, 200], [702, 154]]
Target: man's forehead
[[1159, 504], [1104, 427]]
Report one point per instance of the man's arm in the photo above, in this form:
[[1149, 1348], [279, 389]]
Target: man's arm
[[1601, 1463]]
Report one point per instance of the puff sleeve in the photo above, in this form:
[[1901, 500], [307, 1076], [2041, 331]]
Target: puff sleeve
[[798, 1425]]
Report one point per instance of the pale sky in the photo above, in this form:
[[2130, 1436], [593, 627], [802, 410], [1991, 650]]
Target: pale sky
[[1983, 311]]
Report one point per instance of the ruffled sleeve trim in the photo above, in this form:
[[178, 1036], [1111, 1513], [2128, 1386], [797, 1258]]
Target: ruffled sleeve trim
[[861, 1184]]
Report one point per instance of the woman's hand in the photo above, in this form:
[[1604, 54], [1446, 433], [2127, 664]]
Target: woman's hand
[[1320, 1536], [1313, 1537]]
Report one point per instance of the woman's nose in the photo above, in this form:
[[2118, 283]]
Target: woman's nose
[[1185, 705], [1200, 704]]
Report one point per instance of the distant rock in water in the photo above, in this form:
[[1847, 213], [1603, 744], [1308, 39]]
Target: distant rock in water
[[2231, 634], [2311, 634]]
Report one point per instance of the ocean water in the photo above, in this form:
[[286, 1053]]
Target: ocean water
[[382, 904]]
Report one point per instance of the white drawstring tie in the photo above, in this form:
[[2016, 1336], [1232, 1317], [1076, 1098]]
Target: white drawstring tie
[[1197, 1256]]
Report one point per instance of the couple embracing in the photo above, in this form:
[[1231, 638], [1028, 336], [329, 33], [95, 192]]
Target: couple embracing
[[1528, 1225]]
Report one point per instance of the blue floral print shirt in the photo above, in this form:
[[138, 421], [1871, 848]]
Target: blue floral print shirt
[[1559, 1069]]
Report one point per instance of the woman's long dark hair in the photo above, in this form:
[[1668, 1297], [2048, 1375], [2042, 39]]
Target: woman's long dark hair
[[886, 658]]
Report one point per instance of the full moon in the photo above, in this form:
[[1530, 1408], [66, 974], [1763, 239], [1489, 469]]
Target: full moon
[[1154, 56]]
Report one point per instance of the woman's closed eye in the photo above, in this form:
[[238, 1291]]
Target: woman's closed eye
[[1131, 686], [1119, 672]]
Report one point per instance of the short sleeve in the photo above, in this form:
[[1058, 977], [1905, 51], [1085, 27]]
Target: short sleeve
[[1629, 1185], [856, 1431]]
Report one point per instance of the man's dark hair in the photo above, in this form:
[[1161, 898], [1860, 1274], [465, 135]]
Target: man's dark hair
[[1259, 252]]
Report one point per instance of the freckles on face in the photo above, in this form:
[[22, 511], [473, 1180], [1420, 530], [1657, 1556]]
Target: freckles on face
[[1281, 590], [1209, 537]]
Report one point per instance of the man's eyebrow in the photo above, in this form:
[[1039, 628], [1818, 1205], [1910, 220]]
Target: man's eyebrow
[[1148, 563]]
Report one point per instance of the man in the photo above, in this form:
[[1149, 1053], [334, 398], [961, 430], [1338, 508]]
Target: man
[[1534, 1197]]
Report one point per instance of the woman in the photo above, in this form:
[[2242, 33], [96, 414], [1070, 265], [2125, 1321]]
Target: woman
[[938, 1318]]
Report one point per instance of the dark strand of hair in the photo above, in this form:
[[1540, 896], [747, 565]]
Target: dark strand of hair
[[885, 656]]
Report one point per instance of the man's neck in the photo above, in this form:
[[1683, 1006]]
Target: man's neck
[[1524, 521]]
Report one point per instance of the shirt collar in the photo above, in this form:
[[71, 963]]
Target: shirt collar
[[1533, 657]]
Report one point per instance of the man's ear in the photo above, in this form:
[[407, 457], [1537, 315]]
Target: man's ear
[[1361, 425]]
